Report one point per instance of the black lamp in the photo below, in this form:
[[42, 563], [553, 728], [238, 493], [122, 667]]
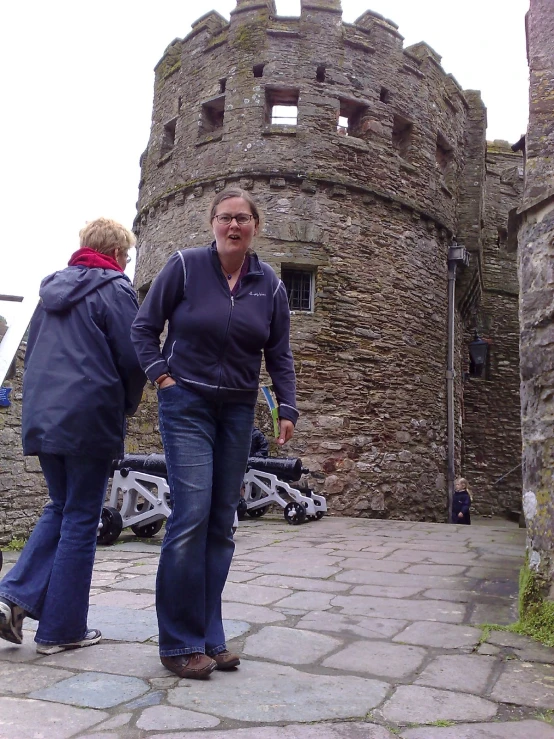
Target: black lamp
[[478, 351]]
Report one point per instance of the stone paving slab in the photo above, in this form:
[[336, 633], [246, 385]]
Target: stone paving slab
[[350, 730], [469, 673], [369, 628], [22, 678], [267, 693], [29, 719], [416, 705], [343, 639], [525, 684], [410, 610], [378, 659], [291, 646], [447, 636], [93, 690], [503, 730]]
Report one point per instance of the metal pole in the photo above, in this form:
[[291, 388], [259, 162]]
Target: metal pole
[[450, 374]]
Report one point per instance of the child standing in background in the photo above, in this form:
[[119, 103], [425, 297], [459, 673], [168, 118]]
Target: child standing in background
[[461, 502]]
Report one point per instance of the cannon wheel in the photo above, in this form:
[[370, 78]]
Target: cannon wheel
[[294, 513], [257, 512], [112, 525], [242, 509], [147, 530]]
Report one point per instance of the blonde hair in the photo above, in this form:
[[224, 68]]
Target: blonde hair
[[463, 484], [104, 235]]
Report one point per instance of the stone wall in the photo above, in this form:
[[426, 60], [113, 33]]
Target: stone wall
[[492, 429], [536, 276], [22, 488]]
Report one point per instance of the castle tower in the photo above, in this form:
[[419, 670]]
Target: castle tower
[[366, 159]]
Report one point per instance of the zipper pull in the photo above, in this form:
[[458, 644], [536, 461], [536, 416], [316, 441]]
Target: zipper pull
[[232, 301]]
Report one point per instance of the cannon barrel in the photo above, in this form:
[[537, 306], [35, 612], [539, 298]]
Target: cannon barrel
[[286, 469]]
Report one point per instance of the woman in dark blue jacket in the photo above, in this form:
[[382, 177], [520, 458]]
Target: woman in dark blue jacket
[[225, 310], [81, 379]]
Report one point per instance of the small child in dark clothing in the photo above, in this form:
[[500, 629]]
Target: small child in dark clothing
[[461, 502]]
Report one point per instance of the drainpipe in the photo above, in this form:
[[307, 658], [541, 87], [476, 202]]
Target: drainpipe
[[457, 256]]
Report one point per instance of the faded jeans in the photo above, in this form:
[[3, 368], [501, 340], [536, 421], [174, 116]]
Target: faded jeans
[[206, 447], [51, 579]]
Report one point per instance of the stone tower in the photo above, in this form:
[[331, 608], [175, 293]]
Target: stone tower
[[367, 160]]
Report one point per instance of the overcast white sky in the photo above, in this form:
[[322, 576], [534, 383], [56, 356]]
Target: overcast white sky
[[76, 80]]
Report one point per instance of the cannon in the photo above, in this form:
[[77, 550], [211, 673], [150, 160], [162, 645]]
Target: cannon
[[139, 497], [268, 480]]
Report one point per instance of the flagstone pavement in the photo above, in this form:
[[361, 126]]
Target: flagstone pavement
[[348, 629]]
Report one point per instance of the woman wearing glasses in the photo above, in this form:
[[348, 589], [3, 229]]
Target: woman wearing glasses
[[225, 309]]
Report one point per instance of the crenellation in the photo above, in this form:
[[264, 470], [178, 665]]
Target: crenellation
[[381, 155]]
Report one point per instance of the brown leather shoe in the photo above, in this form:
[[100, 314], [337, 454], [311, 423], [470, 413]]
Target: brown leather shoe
[[195, 666], [226, 661]]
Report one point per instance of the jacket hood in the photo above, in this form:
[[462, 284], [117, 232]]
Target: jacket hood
[[61, 290]]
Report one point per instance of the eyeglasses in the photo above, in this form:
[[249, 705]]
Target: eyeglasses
[[241, 218]]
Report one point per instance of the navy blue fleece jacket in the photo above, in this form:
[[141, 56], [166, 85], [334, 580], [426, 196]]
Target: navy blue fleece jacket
[[215, 341]]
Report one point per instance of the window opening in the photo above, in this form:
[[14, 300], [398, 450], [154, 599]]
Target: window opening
[[281, 107], [401, 135], [384, 95], [258, 70], [444, 157], [179, 104], [212, 115], [299, 286], [168, 137], [222, 84], [350, 118], [320, 73], [502, 239]]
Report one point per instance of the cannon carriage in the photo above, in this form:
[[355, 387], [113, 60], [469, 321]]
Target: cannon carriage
[[140, 499]]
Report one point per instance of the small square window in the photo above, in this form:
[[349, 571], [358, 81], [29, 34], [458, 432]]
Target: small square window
[[258, 70], [402, 135], [384, 95], [213, 112], [168, 137], [350, 120], [444, 155], [320, 73], [281, 107], [299, 284]]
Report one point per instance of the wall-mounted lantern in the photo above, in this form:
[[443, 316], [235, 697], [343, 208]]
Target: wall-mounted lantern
[[478, 352]]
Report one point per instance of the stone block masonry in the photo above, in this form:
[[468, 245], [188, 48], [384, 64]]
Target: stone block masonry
[[366, 159]]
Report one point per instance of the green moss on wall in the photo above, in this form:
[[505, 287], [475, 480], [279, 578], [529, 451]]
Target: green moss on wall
[[536, 613]]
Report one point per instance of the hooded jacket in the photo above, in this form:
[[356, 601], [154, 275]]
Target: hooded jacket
[[216, 340], [81, 372]]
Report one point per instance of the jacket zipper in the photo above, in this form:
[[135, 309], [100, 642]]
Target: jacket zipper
[[225, 341]]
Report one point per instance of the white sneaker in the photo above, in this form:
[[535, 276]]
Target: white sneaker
[[92, 636]]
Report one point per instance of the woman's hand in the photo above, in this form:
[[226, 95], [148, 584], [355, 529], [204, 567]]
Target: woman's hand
[[286, 430], [168, 382]]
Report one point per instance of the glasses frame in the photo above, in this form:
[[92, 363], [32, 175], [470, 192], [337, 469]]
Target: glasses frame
[[249, 216]]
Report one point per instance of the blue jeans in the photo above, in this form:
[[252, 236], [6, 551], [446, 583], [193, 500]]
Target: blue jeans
[[206, 448], [51, 579]]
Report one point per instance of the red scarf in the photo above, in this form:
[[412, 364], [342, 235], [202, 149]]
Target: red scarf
[[86, 257]]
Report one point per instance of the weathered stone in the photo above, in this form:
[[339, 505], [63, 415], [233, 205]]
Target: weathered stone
[[282, 694], [525, 684], [497, 730], [378, 659], [461, 673], [446, 636], [27, 719], [169, 718], [93, 690], [293, 646], [413, 704]]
